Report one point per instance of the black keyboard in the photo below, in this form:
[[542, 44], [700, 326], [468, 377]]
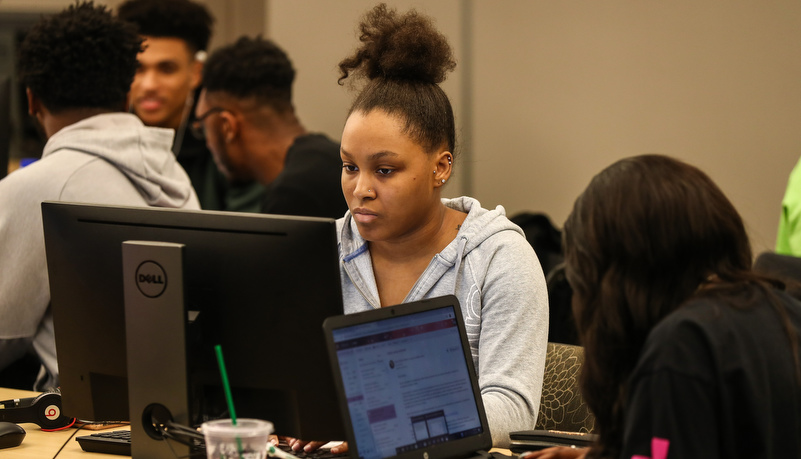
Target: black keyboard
[[112, 442]]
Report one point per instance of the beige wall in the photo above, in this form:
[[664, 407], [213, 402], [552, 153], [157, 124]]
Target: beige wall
[[547, 93]]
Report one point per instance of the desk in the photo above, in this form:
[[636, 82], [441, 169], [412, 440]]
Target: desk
[[44, 445]]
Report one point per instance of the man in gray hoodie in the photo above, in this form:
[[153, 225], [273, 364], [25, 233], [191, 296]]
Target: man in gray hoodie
[[77, 67]]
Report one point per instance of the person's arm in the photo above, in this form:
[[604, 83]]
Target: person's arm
[[514, 336], [24, 288], [558, 452], [788, 240]]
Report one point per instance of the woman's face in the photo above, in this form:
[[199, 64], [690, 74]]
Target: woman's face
[[391, 184]]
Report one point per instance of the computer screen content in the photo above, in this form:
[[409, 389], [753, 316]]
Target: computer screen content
[[258, 285], [407, 383]]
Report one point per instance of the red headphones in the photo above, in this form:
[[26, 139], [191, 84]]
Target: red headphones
[[43, 410]]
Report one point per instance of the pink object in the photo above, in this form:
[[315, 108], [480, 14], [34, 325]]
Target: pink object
[[659, 449]]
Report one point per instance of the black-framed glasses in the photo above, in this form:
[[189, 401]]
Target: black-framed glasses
[[198, 128]]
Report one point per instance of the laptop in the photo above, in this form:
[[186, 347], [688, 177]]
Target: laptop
[[406, 383]]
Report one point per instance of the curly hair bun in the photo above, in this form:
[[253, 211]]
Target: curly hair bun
[[399, 47]]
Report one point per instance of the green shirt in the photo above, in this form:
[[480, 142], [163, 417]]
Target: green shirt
[[788, 241]]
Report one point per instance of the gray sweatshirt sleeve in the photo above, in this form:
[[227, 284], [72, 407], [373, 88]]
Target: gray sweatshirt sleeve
[[513, 339]]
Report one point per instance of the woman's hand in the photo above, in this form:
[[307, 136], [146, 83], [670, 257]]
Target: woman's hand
[[558, 452], [296, 444]]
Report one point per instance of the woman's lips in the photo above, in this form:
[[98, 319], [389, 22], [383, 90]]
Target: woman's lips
[[364, 215]]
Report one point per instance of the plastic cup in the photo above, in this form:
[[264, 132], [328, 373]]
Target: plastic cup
[[245, 440]]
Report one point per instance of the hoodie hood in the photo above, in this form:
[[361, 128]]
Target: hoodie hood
[[134, 149], [479, 226]]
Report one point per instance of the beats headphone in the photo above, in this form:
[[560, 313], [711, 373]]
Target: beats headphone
[[43, 410]]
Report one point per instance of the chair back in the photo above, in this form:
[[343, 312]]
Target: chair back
[[562, 407]]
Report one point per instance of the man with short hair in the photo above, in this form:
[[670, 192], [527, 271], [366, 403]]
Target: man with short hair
[[245, 110], [77, 67], [177, 34]]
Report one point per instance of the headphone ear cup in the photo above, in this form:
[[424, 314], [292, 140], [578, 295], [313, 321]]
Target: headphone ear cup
[[45, 411]]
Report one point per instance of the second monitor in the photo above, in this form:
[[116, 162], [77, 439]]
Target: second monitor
[[259, 285]]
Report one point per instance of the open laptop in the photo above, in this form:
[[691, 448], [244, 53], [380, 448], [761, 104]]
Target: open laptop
[[406, 383]]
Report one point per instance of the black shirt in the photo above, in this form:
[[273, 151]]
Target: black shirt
[[310, 184], [717, 380]]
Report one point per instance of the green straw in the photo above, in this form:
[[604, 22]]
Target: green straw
[[226, 384], [228, 397]]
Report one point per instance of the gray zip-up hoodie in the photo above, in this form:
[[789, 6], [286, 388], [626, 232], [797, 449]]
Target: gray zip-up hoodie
[[497, 277], [105, 159]]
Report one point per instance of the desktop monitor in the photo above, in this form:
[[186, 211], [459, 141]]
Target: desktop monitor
[[258, 285]]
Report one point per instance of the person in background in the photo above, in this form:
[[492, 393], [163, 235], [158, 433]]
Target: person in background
[[77, 67], [176, 37], [401, 241], [246, 115], [788, 240], [688, 353]]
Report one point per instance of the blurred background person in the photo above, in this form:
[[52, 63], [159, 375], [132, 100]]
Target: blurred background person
[[176, 36], [246, 115]]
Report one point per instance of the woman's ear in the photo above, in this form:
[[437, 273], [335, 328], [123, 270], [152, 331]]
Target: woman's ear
[[443, 166]]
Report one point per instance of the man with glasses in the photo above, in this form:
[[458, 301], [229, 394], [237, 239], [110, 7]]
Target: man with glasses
[[246, 115], [177, 34]]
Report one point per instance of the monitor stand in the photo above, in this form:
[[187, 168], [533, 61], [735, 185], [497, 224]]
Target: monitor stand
[[155, 327]]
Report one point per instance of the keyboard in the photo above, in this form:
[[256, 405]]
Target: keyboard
[[112, 442], [119, 442]]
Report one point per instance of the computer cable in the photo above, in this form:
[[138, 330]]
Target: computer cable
[[72, 436]]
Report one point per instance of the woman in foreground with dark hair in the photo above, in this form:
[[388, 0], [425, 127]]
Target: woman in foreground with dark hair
[[688, 353]]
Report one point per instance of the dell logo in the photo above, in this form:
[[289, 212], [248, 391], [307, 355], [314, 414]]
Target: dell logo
[[151, 279]]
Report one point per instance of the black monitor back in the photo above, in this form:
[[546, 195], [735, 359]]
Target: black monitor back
[[259, 285]]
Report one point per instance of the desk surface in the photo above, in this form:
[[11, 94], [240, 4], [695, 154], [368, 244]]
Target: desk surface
[[45, 445]]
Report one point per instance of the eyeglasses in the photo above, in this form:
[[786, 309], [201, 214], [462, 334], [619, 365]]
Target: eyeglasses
[[198, 128]]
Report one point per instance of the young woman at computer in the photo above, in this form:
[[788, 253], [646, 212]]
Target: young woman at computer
[[688, 353], [401, 242]]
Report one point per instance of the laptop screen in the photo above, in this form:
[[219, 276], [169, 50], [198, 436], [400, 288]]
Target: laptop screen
[[407, 382]]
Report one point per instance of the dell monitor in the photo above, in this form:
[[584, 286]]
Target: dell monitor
[[258, 285]]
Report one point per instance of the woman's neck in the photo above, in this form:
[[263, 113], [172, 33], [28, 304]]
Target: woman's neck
[[424, 242]]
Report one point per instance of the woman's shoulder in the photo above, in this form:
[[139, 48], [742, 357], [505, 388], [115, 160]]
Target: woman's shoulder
[[721, 326]]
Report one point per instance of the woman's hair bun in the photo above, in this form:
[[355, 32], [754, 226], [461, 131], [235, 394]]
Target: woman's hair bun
[[399, 47]]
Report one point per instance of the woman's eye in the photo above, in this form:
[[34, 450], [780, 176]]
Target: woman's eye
[[350, 167], [384, 171]]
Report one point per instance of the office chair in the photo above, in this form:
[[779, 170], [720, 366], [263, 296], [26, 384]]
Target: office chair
[[786, 268], [562, 407], [561, 324]]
